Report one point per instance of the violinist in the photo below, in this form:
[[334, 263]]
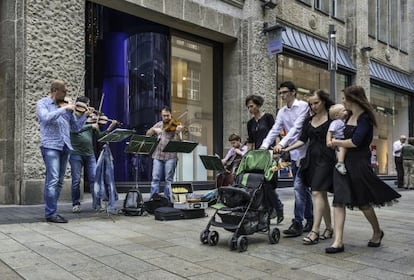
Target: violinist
[[56, 119], [231, 161], [164, 163], [83, 156]]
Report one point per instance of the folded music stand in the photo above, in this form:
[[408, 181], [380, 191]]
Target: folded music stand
[[180, 147], [117, 135], [140, 144], [212, 163]]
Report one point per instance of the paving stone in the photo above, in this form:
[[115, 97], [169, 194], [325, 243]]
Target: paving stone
[[94, 247], [179, 266]]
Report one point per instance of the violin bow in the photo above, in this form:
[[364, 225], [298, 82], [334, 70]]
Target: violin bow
[[100, 107], [80, 85], [178, 118], [182, 115]]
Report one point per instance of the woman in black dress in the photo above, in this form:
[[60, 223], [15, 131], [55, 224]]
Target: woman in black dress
[[257, 128], [360, 187], [317, 166], [260, 124]]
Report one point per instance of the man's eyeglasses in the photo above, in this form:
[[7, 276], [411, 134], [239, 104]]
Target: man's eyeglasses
[[284, 92]]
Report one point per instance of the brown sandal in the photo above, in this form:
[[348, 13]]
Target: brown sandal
[[327, 234]]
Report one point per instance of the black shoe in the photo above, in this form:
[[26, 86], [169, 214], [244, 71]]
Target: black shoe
[[280, 216], [294, 230], [333, 250], [273, 214], [56, 219], [308, 226], [280, 219], [375, 244]]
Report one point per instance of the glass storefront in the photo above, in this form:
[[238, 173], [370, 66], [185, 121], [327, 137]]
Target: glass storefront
[[142, 66], [307, 77], [391, 107], [192, 102], [391, 110]]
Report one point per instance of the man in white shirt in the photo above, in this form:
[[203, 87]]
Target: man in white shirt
[[290, 118], [396, 151]]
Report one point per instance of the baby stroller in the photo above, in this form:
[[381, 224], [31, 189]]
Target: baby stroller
[[245, 207]]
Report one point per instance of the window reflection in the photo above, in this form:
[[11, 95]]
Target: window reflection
[[307, 77], [191, 101]]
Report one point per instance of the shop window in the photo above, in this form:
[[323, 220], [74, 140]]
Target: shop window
[[372, 18], [192, 102], [307, 77], [388, 21], [391, 111], [404, 25], [338, 9], [383, 20], [394, 24], [322, 5]]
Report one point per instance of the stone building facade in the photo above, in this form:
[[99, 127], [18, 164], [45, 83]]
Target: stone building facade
[[45, 40]]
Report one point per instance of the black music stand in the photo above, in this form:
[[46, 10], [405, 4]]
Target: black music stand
[[140, 144], [117, 135], [180, 147], [212, 163]]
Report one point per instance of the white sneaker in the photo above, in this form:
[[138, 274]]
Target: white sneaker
[[76, 209], [340, 166]]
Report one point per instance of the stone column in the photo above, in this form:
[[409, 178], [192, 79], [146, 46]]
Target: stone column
[[54, 48], [410, 36], [257, 69], [359, 29], [11, 67]]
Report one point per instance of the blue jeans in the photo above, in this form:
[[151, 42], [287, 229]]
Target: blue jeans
[[303, 198], [163, 169], [104, 187], [55, 163], [77, 162]]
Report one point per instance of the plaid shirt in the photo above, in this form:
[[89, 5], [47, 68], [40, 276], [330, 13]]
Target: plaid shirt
[[164, 137], [56, 124]]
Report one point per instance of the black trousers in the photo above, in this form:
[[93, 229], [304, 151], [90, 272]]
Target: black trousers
[[400, 171]]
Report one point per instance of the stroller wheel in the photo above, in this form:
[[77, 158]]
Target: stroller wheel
[[204, 236], [213, 238], [232, 242], [242, 243], [274, 236]]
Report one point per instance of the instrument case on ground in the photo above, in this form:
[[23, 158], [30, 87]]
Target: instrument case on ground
[[194, 214], [170, 213], [191, 205]]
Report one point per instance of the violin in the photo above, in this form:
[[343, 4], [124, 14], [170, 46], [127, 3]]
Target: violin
[[100, 119], [62, 103], [80, 107], [171, 126]]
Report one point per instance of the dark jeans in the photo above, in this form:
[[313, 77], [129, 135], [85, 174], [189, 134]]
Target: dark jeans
[[77, 162], [303, 198], [400, 171]]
